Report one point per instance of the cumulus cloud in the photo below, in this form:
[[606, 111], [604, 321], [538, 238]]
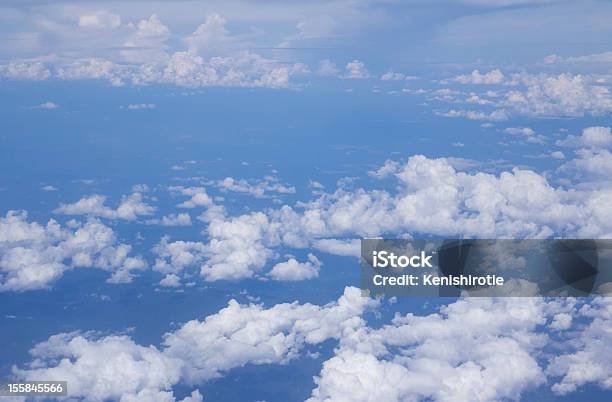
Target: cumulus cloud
[[115, 367], [34, 256], [293, 270], [394, 76], [130, 207], [431, 196], [589, 360], [492, 77], [437, 357], [257, 188], [328, 68], [526, 132], [25, 70], [93, 68], [356, 69], [562, 95], [199, 197], [209, 35], [147, 42], [592, 137], [148, 56]]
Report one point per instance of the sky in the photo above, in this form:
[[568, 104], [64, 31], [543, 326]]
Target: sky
[[183, 187]]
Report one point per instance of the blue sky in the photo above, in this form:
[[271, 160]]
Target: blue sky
[[183, 186]]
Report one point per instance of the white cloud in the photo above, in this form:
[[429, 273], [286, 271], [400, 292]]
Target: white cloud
[[604, 58], [180, 219], [490, 78], [589, 361], [346, 248], [591, 164], [292, 270], [147, 42], [557, 155], [209, 35], [236, 249], [140, 106], [174, 257], [496, 115], [130, 207], [151, 27], [328, 68], [100, 19], [34, 256], [592, 137], [115, 367], [93, 68], [393, 76], [562, 95], [47, 106], [356, 69], [528, 133], [437, 357], [48, 188], [259, 188], [25, 70], [199, 197], [389, 168]]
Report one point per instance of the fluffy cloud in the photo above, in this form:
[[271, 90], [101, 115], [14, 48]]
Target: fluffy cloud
[[432, 196], [328, 68], [269, 184], [236, 249], [147, 56], [209, 35], [437, 357], [115, 367], [293, 270], [592, 137], [34, 256], [528, 133], [492, 77], [25, 70], [93, 68], [589, 361], [356, 69], [562, 95], [199, 197], [130, 207]]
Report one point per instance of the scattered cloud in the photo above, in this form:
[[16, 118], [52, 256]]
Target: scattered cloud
[[130, 207], [34, 256]]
